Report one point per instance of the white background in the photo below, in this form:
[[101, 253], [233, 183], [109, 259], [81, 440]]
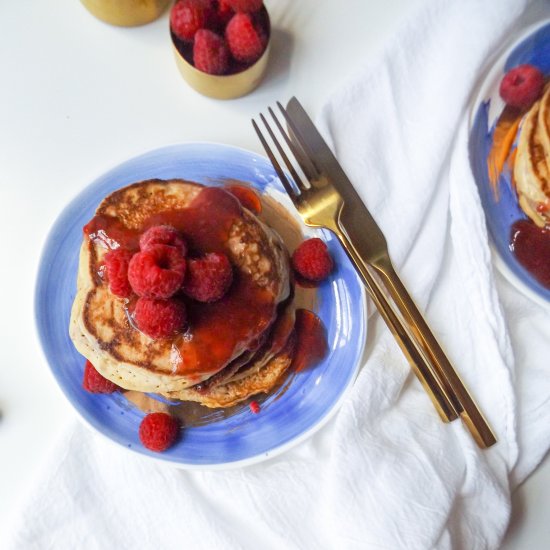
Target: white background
[[78, 97]]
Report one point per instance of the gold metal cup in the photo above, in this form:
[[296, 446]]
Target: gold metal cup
[[126, 13], [227, 86]]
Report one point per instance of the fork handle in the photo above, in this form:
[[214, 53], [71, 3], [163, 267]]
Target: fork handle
[[469, 412], [410, 348]]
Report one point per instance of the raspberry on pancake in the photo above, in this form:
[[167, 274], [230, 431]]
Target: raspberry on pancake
[[163, 234], [157, 272], [116, 264], [208, 278], [160, 318]]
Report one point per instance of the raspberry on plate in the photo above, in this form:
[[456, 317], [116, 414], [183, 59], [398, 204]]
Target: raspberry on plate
[[312, 260], [94, 382], [158, 431], [163, 234], [157, 272], [522, 86], [208, 278], [160, 318], [246, 40], [210, 53], [246, 5], [116, 265], [188, 16]]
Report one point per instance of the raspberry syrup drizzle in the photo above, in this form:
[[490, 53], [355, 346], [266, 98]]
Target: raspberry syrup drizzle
[[247, 197], [311, 343], [531, 246], [220, 330]]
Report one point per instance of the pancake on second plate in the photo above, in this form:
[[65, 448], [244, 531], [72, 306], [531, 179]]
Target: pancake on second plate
[[532, 164], [232, 331]]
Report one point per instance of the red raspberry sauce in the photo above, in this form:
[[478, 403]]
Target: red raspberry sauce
[[531, 246], [247, 197], [219, 330], [311, 344]]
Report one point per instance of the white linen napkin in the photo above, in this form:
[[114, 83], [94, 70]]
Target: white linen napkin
[[385, 472]]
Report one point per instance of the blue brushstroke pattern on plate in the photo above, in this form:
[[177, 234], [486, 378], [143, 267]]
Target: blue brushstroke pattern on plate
[[241, 439], [502, 213]]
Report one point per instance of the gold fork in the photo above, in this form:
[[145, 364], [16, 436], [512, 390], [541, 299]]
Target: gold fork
[[324, 204]]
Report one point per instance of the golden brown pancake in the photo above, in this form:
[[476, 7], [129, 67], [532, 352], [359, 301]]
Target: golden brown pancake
[[259, 379], [219, 333], [532, 164], [251, 373]]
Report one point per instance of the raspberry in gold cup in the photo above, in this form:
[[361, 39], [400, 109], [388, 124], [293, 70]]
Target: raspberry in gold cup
[[240, 74]]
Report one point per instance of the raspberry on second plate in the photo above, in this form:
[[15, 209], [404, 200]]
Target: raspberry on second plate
[[157, 272], [522, 86], [208, 278], [163, 234], [158, 431], [246, 40], [94, 382], [116, 264], [210, 53], [312, 260], [160, 318]]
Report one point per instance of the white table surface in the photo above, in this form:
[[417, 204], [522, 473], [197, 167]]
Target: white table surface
[[77, 97]]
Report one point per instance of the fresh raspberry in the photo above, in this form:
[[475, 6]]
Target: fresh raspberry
[[312, 260], [116, 264], [522, 86], [223, 14], [158, 431], [95, 382], [160, 318], [210, 53], [246, 40], [248, 6], [188, 16], [254, 407], [163, 234], [157, 272], [208, 278]]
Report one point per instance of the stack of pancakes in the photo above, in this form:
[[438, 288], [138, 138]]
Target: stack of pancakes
[[220, 359], [532, 164]]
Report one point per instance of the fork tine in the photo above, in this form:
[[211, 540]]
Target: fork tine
[[303, 161], [303, 153], [280, 172], [297, 179]]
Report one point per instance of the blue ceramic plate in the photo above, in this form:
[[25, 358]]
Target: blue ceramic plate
[[533, 47], [312, 396]]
